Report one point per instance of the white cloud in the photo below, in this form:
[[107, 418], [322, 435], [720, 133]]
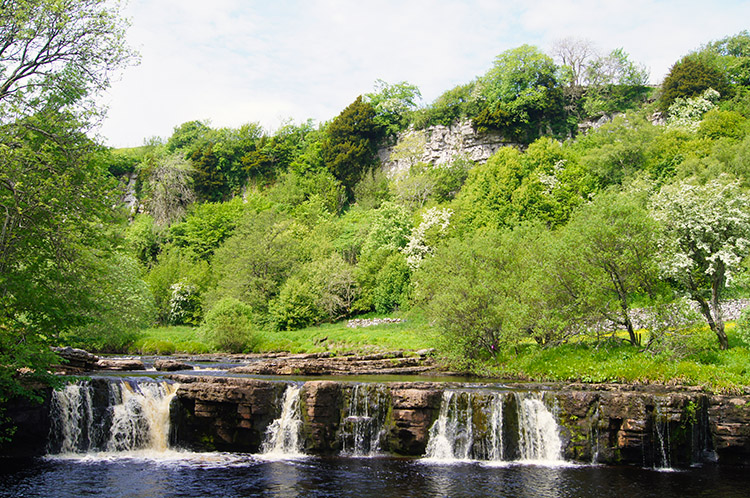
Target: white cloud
[[234, 61]]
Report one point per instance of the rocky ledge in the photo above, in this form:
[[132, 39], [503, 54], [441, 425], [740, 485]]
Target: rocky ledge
[[394, 363], [604, 423]]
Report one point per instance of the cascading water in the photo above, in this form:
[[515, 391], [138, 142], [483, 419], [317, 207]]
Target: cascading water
[[110, 416], [282, 436], [662, 461], [471, 424], [363, 419], [538, 438]]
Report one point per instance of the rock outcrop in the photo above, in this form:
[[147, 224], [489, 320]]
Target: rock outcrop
[[439, 145], [396, 363]]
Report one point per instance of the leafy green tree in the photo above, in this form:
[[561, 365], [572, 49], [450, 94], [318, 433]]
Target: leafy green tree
[[176, 266], [393, 103], [610, 243], [229, 326], [350, 147], [690, 77], [123, 305], [471, 290], [207, 226], [254, 262], [58, 53], [705, 235], [733, 56], [521, 95], [454, 104]]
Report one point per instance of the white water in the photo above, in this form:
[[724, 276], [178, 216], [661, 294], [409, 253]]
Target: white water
[[470, 426], [451, 436], [136, 419], [364, 418], [282, 436], [538, 440]]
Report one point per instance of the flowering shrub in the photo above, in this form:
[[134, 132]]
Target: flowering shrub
[[435, 223], [184, 304], [687, 113]]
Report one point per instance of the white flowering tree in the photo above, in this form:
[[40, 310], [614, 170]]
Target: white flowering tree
[[435, 223], [688, 113], [705, 234]]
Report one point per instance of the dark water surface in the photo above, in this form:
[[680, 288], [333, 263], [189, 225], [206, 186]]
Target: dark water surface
[[228, 475]]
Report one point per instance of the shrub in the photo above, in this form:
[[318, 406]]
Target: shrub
[[228, 326], [743, 326]]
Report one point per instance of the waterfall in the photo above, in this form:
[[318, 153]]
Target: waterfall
[[661, 428], [363, 419], [471, 426], [110, 416], [538, 439], [282, 436]]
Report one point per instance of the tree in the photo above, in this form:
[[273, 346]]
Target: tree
[[574, 55], [55, 56], [169, 190], [690, 77], [57, 53], [610, 244], [733, 54], [520, 95], [392, 103], [351, 143], [705, 235]]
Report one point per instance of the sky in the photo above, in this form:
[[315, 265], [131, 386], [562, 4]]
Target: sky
[[231, 62]]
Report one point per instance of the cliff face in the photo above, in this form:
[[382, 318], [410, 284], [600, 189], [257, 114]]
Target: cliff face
[[439, 145]]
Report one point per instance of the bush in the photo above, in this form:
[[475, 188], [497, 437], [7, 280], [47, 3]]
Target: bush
[[228, 326], [743, 326]]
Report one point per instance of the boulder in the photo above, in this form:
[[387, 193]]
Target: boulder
[[171, 365], [120, 364]]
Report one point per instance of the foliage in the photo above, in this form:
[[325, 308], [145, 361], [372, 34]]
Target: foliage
[[169, 190], [454, 104], [184, 304], [470, 289], [687, 113], [733, 56], [173, 266], [53, 198], [144, 239], [58, 54], [426, 236], [610, 244], [351, 142], [392, 104], [689, 78], [206, 226], [229, 326], [254, 262], [123, 305], [705, 235]]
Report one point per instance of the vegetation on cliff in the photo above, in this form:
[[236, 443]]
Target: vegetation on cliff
[[251, 238]]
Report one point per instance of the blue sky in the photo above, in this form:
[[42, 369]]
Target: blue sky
[[237, 61]]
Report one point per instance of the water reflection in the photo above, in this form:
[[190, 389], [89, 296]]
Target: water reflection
[[228, 475]]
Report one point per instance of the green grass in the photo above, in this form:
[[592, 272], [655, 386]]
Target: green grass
[[699, 363], [413, 334], [693, 359]]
